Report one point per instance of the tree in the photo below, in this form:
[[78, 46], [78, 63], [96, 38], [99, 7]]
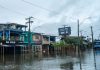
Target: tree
[[59, 44], [71, 40]]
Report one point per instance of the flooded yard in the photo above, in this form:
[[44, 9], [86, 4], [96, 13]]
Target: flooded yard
[[55, 61]]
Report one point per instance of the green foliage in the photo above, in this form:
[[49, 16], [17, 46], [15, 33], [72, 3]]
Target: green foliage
[[71, 41], [68, 41], [59, 44]]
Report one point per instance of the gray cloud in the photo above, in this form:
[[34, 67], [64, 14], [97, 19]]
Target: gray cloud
[[65, 4], [60, 11], [52, 28]]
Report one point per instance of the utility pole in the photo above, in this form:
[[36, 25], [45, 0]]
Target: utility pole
[[92, 34], [78, 29], [78, 34], [64, 30], [29, 31], [64, 26], [81, 38]]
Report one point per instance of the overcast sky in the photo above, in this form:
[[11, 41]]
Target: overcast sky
[[49, 15]]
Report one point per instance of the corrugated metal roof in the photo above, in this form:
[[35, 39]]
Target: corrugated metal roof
[[13, 24]]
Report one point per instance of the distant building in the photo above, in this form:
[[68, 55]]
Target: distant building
[[64, 31], [10, 35], [47, 40], [15, 35], [35, 40], [96, 44]]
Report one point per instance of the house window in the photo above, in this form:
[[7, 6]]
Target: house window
[[1, 27], [36, 37], [13, 27], [46, 38]]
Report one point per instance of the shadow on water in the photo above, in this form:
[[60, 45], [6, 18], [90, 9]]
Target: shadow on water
[[97, 58], [97, 51], [34, 61], [67, 66]]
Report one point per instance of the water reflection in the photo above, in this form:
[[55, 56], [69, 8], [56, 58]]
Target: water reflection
[[51, 61], [97, 58], [67, 66]]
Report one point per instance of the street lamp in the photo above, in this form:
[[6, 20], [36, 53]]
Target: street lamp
[[78, 23], [78, 30]]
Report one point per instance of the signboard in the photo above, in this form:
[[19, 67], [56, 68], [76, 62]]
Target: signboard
[[64, 31]]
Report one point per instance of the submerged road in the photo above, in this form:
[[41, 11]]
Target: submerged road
[[56, 61]]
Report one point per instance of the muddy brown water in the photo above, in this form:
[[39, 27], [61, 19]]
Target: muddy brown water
[[54, 61]]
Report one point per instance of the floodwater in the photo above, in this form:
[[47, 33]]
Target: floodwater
[[57, 61]]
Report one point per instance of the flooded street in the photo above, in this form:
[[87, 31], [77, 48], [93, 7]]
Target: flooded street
[[69, 61]]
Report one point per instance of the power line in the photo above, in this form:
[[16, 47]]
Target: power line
[[12, 10], [29, 21], [19, 13], [29, 4], [32, 4]]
